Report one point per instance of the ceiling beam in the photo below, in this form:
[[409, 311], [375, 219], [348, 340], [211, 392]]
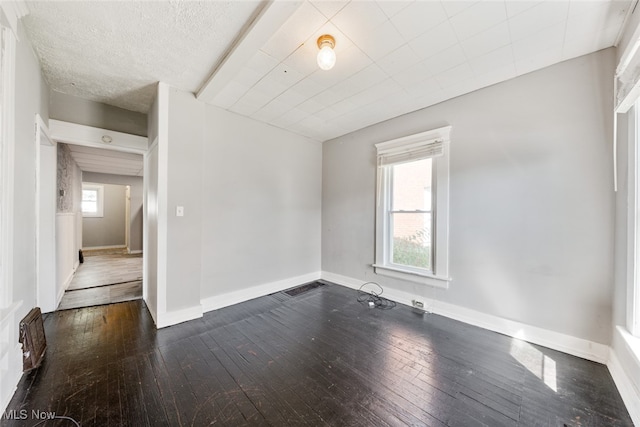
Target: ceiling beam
[[266, 23]]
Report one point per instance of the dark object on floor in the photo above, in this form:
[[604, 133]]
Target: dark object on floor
[[81, 256], [304, 288], [34, 343], [372, 297]]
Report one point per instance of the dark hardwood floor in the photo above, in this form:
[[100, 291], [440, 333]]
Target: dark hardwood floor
[[318, 358]]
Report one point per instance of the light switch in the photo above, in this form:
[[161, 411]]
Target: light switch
[[179, 210]]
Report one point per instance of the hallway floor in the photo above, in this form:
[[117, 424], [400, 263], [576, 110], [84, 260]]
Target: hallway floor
[[104, 279]]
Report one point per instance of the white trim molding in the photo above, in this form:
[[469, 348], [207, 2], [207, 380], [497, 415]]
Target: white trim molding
[[230, 298], [624, 366], [555, 340], [171, 318], [88, 136]]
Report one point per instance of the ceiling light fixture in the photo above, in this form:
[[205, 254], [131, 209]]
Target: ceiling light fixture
[[326, 56]]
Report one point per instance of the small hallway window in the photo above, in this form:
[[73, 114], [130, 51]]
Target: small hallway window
[[92, 200]]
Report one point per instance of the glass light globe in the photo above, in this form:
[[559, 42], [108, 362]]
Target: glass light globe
[[326, 58]]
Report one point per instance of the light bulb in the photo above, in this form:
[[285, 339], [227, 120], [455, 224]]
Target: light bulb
[[326, 58]]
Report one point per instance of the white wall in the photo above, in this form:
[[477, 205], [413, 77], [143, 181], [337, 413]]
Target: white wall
[[31, 94], [532, 206], [261, 204]]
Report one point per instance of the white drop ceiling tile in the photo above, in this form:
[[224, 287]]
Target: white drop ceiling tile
[[455, 7], [327, 98], [398, 60], [424, 87], [291, 97], [498, 58], [538, 18], [431, 99], [283, 121], [303, 58], [294, 115], [418, 18], [343, 107], [384, 89], [256, 98], [230, 94], [454, 76], [446, 60], [479, 17], [247, 77], [265, 115], [578, 46], [359, 17], [393, 7], [515, 7], [412, 75], [327, 114], [551, 38], [311, 106], [307, 88], [329, 7], [270, 87], [434, 41], [541, 60], [302, 23], [262, 63], [312, 122], [245, 107], [277, 107], [590, 18], [381, 41], [285, 75], [487, 41]]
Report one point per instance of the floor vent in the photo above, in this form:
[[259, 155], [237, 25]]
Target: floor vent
[[302, 289], [33, 340]]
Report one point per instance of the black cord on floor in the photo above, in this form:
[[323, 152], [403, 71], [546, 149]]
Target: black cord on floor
[[372, 298]]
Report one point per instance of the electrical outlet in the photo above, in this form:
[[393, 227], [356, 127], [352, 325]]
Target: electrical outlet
[[418, 304]]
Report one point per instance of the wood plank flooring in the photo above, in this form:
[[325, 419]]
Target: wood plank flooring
[[104, 279], [318, 358], [101, 270]]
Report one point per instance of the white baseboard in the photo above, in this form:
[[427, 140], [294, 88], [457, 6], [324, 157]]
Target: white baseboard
[[557, 341], [136, 252], [152, 312], [174, 317], [224, 300], [628, 392], [98, 248]]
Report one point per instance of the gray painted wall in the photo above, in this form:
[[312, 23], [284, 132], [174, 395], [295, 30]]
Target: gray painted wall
[[136, 215], [110, 229], [90, 113], [184, 187], [532, 206], [261, 200], [31, 99]]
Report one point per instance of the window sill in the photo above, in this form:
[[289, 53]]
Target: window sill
[[411, 276]]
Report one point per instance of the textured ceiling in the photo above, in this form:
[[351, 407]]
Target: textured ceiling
[[393, 57], [116, 51], [107, 161]]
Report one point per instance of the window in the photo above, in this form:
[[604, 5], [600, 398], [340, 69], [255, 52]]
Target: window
[[412, 208], [92, 200]]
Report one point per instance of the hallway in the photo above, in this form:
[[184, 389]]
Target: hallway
[[104, 279]]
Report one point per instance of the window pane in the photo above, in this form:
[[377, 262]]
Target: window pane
[[411, 239], [90, 195], [89, 206], [412, 186]]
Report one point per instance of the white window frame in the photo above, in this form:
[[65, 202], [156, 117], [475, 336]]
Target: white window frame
[[633, 219], [411, 146], [100, 208]]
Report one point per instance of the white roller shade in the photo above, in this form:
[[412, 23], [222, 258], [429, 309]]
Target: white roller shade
[[420, 146]]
